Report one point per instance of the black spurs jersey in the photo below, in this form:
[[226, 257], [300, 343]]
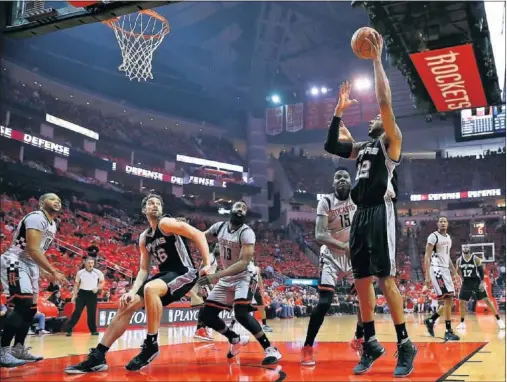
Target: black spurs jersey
[[469, 269], [376, 178], [169, 252]]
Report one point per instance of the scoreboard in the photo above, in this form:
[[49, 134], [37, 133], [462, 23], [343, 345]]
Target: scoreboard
[[478, 228], [481, 123]]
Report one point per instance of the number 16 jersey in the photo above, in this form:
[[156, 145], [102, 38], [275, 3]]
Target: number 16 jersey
[[339, 214]]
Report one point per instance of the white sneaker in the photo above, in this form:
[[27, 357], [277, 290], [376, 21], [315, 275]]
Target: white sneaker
[[272, 355], [44, 332], [461, 326], [7, 359], [235, 348], [31, 332], [501, 324], [22, 352]]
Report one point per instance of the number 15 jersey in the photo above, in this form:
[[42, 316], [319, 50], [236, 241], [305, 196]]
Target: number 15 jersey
[[230, 243], [339, 214], [376, 178]]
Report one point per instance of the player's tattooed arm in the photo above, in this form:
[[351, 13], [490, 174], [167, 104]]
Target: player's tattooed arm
[[173, 226], [323, 237]]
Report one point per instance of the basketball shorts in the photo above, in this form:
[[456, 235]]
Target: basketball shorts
[[19, 279], [199, 294], [178, 285], [442, 282], [468, 288], [330, 265], [237, 289], [373, 241]]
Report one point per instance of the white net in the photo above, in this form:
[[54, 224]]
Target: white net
[[139, 35]]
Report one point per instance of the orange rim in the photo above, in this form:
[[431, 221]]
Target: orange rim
[[112, 23]]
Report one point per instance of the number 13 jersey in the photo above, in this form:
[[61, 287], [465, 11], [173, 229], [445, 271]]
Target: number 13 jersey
[[376, 178], [339, 214], [230, 243]]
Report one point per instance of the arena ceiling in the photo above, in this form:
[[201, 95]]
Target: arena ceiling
[[221, 59]]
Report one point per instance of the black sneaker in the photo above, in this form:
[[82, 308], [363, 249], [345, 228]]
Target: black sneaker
[[143, 359], [430, 325], [95, 333], [372, 350], [450, 336], [96, 361], [406, 354], [69, 334]]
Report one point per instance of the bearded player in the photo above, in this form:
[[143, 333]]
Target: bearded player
[[236, 284], [471, 271], [373, 230], [20, 277], [163, 244], [332, 228]]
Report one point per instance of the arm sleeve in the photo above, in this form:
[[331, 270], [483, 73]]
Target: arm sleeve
[[332, 145], [35, 221], [323, 207], [248, 237], [432, 239]]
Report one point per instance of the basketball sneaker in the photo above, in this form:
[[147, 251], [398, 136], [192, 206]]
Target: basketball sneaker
[[22, 352], [461, 326], [96, 361], [144, 358], [267, 329], [501, 324], [357, 345], [406, 354], [7, 359], [372, 350], [203, 334], [272, 356], [307, 358], [235, 348], [430, 326], [450, 336]]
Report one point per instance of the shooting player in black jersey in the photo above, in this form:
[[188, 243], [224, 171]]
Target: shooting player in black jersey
[[471, 271], [373, 230], [161, 243]]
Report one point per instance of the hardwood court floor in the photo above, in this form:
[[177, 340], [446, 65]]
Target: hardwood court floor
[[479, 356]]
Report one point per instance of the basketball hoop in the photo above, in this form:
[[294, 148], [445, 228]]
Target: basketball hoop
[[138, 36]]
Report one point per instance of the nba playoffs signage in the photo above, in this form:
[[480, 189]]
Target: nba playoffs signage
[[456, 195], [169, 316], [451, 77], [34, 141]]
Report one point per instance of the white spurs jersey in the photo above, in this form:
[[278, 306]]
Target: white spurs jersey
[[230, 243], [35, 220], [441, 249], [340, 214]]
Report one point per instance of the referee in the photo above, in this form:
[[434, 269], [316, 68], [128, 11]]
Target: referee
[[89, 281]]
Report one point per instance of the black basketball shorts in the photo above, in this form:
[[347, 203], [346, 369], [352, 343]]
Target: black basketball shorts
[[373, 241], [178, 285], [469, 288]]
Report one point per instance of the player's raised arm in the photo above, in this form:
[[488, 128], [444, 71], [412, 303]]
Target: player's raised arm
[[173, 226], [339, 140], [383, 93]]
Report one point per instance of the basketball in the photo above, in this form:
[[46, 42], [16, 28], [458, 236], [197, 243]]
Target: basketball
[[360, 46]]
